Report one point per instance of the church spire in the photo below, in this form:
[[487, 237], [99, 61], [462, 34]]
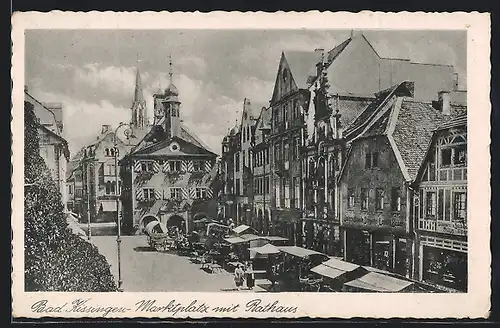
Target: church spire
[[139, 111]]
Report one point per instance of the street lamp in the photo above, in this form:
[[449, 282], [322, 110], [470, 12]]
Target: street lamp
[[87, 158], [129, 134]]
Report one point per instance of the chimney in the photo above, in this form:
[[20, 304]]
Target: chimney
[[105, 128], [455, 81], [444, 102]]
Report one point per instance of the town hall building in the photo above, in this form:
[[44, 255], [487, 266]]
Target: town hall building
[[169, 174]]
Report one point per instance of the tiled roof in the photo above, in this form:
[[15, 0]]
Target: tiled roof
[[413, 132], [380, 126], [365, 115], [460, 120], [302, 65], [351, 107]]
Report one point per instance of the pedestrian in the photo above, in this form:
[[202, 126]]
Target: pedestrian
[[239, 276], [231, 224], [250, 276]]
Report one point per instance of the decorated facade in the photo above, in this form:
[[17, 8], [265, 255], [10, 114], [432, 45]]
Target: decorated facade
[[168, 176]]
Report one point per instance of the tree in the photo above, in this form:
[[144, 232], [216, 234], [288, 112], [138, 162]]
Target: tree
[[55, 258]]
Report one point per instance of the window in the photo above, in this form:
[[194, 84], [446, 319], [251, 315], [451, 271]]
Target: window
[[149, 193], [201, 193], [70, 191], [375, 159], [198, 165], [446, 157], [350, 198], [371, 160], [277, 154], [108, 188], [364, 198], [176, 193], [237, 162], [237, 187], [244, 159], [395, 199], [106, 152], [460, 155], [267, 155], [286, 152], [285, 113], [147, 166], [297, 147], [379, 201], [175, 166], [459, 206], [109, 169], [266, 188], [286, 185], [430, 204]]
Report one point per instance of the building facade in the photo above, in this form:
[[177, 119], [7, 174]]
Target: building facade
[[261, 172], [53, 146], [441, 208], [168, 176]]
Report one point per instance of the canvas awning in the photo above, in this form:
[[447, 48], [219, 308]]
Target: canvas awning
[[251, 236], [274, 238], [242, 228], [299, 251], [327, 271], [340, 265], [108, 206], [266, 249], [235, 240], [378, 282]]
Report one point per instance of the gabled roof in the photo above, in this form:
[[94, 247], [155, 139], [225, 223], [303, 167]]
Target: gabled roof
[[408, 124], [302, 64], [373, 108], [162, 148], [58, 137]]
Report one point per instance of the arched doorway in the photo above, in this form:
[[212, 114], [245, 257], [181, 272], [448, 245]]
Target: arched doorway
[[176, 221], [147, 219]]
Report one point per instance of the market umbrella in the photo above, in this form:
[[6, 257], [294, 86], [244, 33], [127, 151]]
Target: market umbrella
[[266, 249]]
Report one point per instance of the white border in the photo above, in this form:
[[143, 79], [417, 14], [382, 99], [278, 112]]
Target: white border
[[473, 304]]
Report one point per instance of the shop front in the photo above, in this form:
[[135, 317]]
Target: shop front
[[444, 262], [379, 249], [321, 235], [286, 224]]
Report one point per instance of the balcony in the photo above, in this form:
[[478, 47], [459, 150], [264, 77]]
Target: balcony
[[454, 227]]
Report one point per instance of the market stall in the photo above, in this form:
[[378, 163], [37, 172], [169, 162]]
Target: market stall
[[377, 282]]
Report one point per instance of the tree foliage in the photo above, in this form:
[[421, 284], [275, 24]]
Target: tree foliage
[[55, 258]]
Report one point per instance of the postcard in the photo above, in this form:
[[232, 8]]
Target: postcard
[[251, 165]]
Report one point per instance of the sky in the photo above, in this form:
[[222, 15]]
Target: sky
[[92, 72]]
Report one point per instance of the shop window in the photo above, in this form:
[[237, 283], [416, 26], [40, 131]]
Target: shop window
[[430, 204], [395, 199], [364, 198], [379, 199], [445, 267], [459, 206]]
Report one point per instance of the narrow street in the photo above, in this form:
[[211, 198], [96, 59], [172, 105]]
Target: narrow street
[[145, 270]]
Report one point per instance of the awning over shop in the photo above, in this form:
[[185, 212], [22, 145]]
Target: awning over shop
[[235, 240], [250, 237], [266, 249], [340, 265], [109, 206], [327, 271], [378, 282], [242, 228], [274, 238], [299, 251]]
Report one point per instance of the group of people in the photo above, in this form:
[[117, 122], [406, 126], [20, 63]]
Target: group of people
[[244, 272]]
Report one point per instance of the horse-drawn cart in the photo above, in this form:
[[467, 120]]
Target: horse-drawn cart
[[157, 234]]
